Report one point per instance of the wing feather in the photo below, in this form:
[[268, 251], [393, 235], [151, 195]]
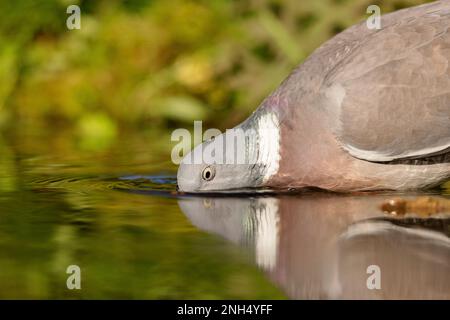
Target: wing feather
[[397, 91]]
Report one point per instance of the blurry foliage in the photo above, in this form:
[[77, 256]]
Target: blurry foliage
[[154, 63], [96, 131]]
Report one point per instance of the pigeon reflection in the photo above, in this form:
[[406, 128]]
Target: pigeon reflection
[[320, 246]]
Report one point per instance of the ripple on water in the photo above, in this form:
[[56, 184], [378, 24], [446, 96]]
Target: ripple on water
[[161, 184]]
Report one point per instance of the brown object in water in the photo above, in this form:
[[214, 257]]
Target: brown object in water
[[422, 206]]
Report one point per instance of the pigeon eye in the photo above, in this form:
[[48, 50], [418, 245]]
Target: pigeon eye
[[208, 173]]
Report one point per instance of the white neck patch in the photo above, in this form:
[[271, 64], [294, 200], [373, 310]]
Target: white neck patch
[[268, 144], [267, 232]]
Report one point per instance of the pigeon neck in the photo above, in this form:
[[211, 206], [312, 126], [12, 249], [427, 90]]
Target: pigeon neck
[[267, 153]]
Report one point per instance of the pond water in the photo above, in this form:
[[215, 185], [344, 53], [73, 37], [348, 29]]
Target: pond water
[[115, 213]]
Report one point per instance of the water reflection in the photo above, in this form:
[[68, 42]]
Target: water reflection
[[115, 213], [319, 245]]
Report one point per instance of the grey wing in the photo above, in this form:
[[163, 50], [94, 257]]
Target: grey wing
[[395, 92]]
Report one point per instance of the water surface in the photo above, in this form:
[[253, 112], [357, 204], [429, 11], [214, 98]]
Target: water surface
[[116, 214]]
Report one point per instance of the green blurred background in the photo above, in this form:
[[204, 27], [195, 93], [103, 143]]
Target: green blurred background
[[143, 65]]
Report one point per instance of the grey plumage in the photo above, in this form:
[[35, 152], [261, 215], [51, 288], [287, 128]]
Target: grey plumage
[[368, 110], [397, 87]]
